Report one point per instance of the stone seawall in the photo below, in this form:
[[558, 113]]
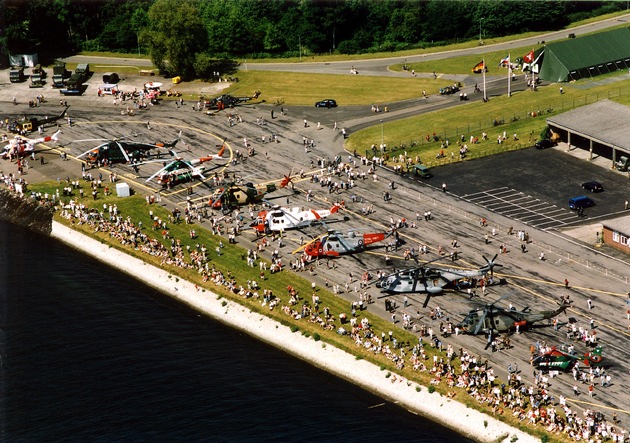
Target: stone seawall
[[25, 212]]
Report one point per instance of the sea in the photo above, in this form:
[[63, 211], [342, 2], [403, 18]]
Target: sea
[[88, 354]]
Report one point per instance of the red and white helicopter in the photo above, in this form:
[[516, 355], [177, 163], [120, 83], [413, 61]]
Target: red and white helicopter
[[23, 147], [281, 219], [183, 171], [335, 243]]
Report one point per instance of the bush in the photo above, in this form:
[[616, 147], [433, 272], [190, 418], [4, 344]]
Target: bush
[[294, 328], [418, 389], [306, 334], [389, 374], [431, 389], [316, 337], [224, 303]]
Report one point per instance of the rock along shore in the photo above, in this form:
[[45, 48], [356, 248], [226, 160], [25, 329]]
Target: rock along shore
[[451, 413]]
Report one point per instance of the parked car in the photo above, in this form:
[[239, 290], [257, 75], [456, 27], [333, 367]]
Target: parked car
[[581, 202], [328, 103], [593, 186], [544, 144], [449, 90]]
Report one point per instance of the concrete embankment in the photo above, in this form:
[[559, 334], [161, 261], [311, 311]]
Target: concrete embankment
[[26, 213], [453, 414]]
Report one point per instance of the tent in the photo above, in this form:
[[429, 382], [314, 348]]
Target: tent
[[24, 60], [586, 56]]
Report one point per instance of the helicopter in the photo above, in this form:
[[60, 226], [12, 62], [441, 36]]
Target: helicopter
[[183, 171], [279, 219], [29, 124], [234, 194], [122, 151], [335, 243], [22, 147], [228, 101], [433, 280], [555, 359], [492, 319]]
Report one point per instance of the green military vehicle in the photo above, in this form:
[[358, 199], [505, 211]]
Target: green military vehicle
[[421, 171]]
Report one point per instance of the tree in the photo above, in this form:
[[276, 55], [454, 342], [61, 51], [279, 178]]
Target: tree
[[175, 34]]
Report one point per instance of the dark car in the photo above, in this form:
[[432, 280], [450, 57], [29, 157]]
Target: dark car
[[449, 90], [593, 186], [328, 103], [580, 202], [544, 144]]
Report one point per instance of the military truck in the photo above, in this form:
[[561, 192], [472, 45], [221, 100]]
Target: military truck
[[37, 77], [59, 75], [16, 74], [623, 163]]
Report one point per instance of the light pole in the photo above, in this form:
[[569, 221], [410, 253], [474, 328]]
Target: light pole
[[480, 20], [382, 139], [300, 43]]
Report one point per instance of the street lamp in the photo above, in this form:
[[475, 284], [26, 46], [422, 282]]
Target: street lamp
[[480, 20], [300, 44]]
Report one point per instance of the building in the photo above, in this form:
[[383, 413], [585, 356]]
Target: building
[[616, 233], [601, 128], [584, 57]]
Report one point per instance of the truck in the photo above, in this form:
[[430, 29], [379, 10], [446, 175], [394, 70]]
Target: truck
[[59, 75], [16, 74], [37, 77], [83, 70], [623, 163]]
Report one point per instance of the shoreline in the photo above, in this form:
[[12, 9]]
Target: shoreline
[[472, 423]]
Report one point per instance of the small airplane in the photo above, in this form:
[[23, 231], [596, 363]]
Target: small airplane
[[335, 243], [555, 359], [433, 280], [29, 124], [122, 151], [281, 219], [234, 195], [23, 147], [183, 171], [493, 319]]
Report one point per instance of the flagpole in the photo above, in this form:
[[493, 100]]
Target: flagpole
[[485, 98], [509, 76]]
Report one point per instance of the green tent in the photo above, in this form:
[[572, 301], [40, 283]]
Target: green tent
[[586, 56]]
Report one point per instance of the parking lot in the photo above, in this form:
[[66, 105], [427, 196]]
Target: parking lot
[[534, 186]]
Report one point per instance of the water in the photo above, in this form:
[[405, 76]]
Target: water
[[91, 355]]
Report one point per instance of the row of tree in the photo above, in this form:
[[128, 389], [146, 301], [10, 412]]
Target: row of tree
[[192, 34]]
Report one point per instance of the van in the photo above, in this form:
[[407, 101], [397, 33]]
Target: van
[[110, 78], [581, 202], [422, 171]]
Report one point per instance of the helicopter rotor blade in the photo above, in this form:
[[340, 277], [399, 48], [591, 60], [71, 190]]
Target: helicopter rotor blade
[[160, 171], [480, 322]]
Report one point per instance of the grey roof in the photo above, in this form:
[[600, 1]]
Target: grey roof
[[621, 224], [605, 121]]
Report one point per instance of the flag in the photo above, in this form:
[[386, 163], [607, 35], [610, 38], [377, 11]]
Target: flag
[[505, 61], [479, 67], [529, 57]]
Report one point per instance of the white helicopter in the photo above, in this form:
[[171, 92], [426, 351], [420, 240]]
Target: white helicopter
[[22, 147], [183, 171], [433, 280], [281, 219]]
